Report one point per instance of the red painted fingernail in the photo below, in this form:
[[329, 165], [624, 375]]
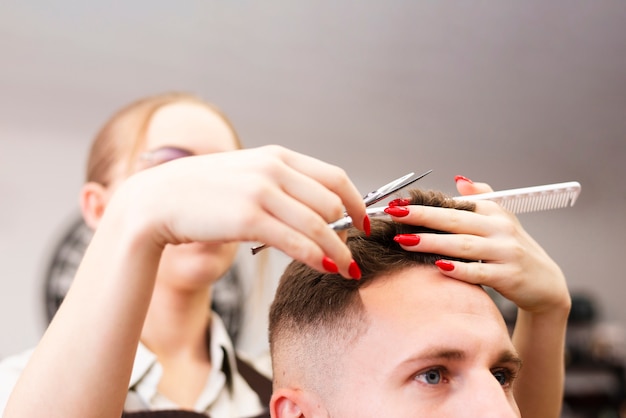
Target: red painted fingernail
[[463, 178], [407, 239], [399, 202], [354, 270], [397, 211], [367, 227], [444, 265], [329, 265]]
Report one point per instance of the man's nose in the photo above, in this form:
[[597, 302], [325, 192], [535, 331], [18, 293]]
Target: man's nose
[[489, 399]]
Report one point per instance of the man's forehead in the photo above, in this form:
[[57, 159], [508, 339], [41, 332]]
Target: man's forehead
[[426, 289], [420, 301], [418, 312]]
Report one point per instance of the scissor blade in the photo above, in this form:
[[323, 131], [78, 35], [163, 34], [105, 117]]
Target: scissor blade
[[381, 193], [375, 196], [392, 187]]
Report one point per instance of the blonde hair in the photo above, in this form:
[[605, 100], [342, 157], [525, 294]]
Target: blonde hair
[[118, 142]]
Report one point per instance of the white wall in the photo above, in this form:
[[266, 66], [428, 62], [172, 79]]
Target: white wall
[[515, 94], [40, 175]]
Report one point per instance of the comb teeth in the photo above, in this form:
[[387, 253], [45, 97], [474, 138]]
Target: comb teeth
[[532, 199], [537, 202]]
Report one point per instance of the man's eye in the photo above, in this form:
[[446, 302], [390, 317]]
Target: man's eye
[[430, 377], [504, 377]]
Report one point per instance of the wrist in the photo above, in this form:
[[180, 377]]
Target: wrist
[[130, 220], [555, 313]]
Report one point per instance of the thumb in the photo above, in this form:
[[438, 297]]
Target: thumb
[[466, 186]]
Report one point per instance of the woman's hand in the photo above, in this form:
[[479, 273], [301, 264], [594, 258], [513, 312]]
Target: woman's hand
[[507, 258], [268, 194]]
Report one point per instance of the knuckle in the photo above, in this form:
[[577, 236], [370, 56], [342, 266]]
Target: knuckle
[[256, 188], [341, 176], [481, 272], [504, 226], [248, 219], [453, 220], [417, 212], [318, 229], [334, 208], [337, 177], [275, 149], [466, 246], [301, 249], [518, 251], [517, 271], [489, 205], [296, 245], [269, 166], [509, 227]]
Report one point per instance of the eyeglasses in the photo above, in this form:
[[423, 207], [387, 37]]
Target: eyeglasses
[[162, 155]]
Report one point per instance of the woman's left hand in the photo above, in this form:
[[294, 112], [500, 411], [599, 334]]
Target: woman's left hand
[[507, 258]]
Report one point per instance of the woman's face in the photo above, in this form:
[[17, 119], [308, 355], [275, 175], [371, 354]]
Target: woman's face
[[176, 131]]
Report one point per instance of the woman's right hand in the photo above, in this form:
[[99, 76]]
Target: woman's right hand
[[268, 194]]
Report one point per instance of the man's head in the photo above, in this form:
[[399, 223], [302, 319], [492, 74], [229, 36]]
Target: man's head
[[403, 341]]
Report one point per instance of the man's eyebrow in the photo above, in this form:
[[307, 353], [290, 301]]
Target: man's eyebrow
[[443, 353], [451, 354], [433, 354], [511, 358]]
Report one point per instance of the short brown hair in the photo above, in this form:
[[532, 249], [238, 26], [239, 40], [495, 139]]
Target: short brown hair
[[314, 315]]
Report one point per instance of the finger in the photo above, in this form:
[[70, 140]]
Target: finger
[[466, 186], [474, 272], [506, 279], [448, 220], [276, 233], [333, 178], [468, 247], [312, 194], [305, 221]]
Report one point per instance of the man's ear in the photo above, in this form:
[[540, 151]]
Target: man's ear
[[295, 403], [93, 201]]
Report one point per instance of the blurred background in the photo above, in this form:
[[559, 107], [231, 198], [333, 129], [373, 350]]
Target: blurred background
[[513, 93]]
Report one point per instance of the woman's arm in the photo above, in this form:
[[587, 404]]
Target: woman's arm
[[540, 341], [82, 365]]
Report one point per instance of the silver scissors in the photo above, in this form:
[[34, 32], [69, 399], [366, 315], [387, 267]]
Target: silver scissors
[[369, 199], [378, 195]]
